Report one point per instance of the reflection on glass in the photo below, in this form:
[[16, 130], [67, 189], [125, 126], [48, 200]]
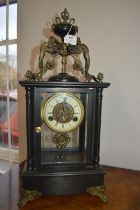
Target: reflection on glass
[[13, 21], [12, 79], [3, 98], [2, 23], [8, 96], [4, 119], [3, 74], [12, 67]]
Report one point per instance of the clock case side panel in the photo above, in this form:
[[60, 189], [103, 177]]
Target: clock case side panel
[[98, 113], [30, 127], [37, 124], [91, 106]]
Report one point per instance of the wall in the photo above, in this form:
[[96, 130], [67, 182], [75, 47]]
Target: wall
[[111, 30]]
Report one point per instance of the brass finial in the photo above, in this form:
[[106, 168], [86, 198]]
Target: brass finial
[[100, 77], [65, 16]]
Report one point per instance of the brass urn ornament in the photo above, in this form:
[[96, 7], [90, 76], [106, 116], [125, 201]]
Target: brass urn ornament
[[66, 30], [63, 118]]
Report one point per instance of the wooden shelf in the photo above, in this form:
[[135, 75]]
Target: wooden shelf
[[122, 187]]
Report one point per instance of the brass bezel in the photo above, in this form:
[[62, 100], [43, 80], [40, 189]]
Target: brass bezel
[[44, 117]]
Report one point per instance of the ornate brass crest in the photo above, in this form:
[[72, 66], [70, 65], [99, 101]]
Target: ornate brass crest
[[62, 27]]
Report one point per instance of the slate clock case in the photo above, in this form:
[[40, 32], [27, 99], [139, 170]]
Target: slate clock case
[[73, 169], [63, 120]]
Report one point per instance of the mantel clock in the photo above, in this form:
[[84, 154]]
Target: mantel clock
[[63, 118]]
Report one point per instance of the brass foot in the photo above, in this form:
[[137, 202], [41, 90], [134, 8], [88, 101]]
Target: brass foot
[[98, 191], [28, 195]]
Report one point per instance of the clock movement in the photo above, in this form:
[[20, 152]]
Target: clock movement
[[63, 119]]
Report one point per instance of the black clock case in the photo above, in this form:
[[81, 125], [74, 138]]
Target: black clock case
[[63, 178]]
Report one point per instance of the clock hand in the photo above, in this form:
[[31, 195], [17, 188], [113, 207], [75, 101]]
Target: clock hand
[[63, 114], [64, 101], [64, 108]]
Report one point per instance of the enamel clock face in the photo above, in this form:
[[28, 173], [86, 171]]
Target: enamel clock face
[[62, 112]]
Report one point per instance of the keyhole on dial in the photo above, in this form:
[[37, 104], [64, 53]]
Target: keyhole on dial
[[75, 119], [50, 118]]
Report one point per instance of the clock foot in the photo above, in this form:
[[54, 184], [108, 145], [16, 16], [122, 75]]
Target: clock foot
[[98, 191], [28, 195]]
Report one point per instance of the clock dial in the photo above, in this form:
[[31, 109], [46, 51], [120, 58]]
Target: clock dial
[[63, 112]]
